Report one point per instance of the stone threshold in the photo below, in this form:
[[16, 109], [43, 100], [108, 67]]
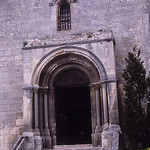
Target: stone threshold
[[76, 147]]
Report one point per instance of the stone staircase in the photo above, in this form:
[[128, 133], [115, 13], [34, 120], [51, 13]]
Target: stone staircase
[[76, 147]]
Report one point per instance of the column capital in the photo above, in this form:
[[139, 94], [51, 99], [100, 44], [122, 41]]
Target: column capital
[[95, 85], [36, 88], [45, 89], [52, 88], [27, 90], [103, 85], [28, 87], [108, 81]]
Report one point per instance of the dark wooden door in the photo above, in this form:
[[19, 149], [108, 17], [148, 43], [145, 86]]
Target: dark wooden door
[[73, 115]]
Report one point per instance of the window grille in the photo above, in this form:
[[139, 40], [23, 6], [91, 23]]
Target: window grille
[[64, 19]]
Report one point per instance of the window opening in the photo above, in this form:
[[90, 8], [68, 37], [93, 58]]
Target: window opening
[[64, 19]]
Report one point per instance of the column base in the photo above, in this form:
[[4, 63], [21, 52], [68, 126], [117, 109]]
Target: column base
[[47, 142], [38, 143], [46, 132], [110, 137], [36, 132], [97, 139], [53, 141]]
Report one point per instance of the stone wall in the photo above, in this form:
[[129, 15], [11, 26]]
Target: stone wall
[[22, 20], [11, 37]]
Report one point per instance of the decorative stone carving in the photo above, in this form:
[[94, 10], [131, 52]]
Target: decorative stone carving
[[53, 40], [28, 91]]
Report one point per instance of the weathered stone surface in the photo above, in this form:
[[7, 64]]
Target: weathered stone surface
[[77, 147], [110, 137], [28, 20]]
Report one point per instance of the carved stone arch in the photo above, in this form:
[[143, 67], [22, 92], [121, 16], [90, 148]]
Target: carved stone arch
[[66, 61], [90, 57], [49, 67]]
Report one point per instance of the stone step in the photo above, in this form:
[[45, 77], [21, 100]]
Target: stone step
[[76, 147]]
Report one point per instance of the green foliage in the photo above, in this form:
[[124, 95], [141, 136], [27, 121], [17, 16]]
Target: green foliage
[[136, 91]]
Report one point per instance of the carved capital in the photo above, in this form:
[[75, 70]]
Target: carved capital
[[95, 85], [36, 88], [104, 85], [45, 89], [28, 89]]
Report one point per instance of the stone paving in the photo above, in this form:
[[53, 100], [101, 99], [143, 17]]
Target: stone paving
[[76, 147]]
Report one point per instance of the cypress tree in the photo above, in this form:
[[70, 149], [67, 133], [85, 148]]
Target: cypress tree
[[135, 87]]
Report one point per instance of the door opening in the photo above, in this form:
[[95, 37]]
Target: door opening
[[73, 115]]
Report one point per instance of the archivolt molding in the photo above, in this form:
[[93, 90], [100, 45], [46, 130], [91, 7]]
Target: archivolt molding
[[51, 76], [62, 51]]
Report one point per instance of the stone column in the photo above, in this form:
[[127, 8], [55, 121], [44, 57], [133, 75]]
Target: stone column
[[93, 111], [101, 106], [105, 103], [36, 111], [46, 110], [27, 107], [47, 140], [98, 130], [41, 110], [52, 120]]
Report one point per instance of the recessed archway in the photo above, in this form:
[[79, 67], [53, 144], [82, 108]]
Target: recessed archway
[[70, 72]]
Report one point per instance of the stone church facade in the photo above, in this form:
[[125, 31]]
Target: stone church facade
[[61, 71]]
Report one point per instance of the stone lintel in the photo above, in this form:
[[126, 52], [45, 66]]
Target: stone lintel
[[54, 41]]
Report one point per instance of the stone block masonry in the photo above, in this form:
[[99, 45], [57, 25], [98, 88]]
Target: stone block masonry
[[28, 20]]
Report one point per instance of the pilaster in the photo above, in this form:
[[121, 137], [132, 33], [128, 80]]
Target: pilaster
[[27, 107]]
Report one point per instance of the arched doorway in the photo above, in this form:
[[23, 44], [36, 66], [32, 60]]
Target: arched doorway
[[62, 78], [73, 108], [40, 89]]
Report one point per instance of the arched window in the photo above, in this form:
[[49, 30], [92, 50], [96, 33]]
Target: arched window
[[64, 17]]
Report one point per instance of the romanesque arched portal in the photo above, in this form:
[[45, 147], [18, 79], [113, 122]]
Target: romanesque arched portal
[[68, 70], [68, 84]]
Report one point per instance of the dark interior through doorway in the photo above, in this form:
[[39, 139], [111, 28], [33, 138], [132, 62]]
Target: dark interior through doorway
[[73, 115]]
